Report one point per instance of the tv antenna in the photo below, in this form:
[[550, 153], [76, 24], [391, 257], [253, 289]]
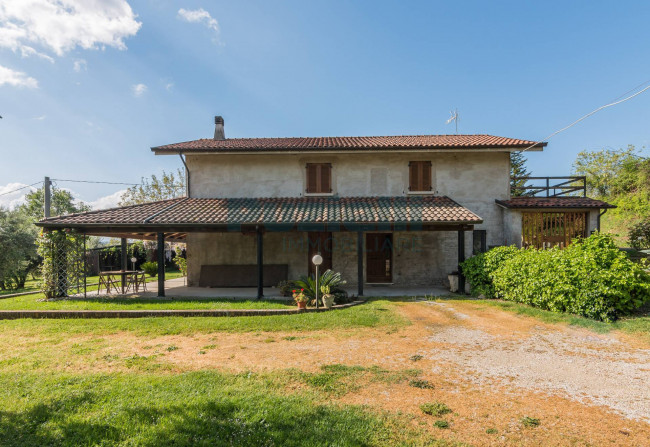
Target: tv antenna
[[454, 117]]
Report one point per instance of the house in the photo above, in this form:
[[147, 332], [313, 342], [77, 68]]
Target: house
[[401, 210]]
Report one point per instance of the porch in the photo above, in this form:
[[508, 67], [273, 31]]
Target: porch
[[257, 220], [177, 288]]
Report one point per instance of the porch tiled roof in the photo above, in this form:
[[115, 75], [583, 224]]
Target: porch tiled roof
[[306, 144], [554, 202], [412, 209]]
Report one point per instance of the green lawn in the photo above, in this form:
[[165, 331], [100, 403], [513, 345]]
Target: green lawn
[[34, 302], [638, 324], [152, 404], [32, 285], [204, 408], [375, 313]]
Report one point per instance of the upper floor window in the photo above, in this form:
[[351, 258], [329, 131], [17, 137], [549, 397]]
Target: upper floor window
[[420, 176], [319, 178]]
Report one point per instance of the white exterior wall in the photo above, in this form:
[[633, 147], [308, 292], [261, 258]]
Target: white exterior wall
[[473, 179]]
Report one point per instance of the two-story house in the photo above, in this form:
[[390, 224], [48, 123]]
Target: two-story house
[[401, 210]]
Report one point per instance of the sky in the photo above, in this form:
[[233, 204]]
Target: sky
[[88, 87]]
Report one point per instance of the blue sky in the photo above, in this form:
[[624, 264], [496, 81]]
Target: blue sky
[[87, 102]]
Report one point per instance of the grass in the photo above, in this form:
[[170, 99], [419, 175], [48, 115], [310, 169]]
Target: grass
[[201, 408], [33, 302], [436, 409], [375, 313], [34, 285], [637, 324]]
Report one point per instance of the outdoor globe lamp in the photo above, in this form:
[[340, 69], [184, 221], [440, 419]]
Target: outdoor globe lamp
[[133, 260], [317, 260]]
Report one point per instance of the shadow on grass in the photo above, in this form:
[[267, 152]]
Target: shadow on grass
[[261, 421]]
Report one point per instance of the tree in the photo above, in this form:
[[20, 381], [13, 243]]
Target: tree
[[168, 186], [622, 178], [518, 169], [18, 256], [62, 202]]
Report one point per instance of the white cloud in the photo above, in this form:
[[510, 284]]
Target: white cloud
[[16, 78], [169, 86], [80, 65], [138, 89], [59, 26], [201, 16], [109, 201], [40, 118], [14, 198]]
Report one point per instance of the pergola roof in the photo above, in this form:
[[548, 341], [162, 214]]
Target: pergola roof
[[553, 202], [195, 214], [316, 144]]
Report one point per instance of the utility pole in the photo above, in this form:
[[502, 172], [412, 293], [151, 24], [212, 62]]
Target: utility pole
[[46, 186]]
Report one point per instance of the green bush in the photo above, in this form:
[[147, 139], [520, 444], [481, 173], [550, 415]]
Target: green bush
[[478, 270], [591, 277], [150, 268], [639, 235]]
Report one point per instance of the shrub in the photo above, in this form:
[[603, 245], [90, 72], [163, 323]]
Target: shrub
[[639, 235], [479, 269], [150, 268], [441, 424], [591, 277], [527, 421], [286, 287]]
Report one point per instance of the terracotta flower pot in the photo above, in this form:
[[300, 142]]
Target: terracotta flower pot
[[302, 305]]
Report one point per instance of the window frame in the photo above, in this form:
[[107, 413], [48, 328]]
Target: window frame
[[319, 185], [420, 187]]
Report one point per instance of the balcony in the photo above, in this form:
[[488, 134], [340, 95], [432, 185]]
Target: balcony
[[572, 186]]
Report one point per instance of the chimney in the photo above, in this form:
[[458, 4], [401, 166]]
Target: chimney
[[219, 133]]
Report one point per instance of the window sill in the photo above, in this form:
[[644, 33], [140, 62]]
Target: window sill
[[420, 193], [319, 194]]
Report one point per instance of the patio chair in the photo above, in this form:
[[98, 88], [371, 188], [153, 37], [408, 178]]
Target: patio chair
[[140, 280], [109, 281]]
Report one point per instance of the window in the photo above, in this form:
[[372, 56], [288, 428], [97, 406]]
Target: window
[[419, 176], [319, 178]]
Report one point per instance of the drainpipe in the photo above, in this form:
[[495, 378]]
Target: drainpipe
[[187, 175], [598, 222]]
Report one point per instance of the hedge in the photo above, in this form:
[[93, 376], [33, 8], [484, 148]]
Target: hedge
[[591, 277]]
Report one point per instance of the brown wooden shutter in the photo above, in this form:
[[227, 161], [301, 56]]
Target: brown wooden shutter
[[325, 178], [413, 176], [425, 176], [319, 178], [312, 178]]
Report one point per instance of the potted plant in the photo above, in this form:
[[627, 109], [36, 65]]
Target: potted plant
[[328, 298], [300, 298]]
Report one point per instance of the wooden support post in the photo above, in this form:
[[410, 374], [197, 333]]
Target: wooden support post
[[86, 269], [124, 249], [161, 264], [260, 264], [461, 258], [360, 262]]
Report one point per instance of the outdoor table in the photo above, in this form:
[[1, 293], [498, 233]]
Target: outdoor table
[[122, 273]]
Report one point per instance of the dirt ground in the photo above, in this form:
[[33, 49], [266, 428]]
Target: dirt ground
[[491, 367]]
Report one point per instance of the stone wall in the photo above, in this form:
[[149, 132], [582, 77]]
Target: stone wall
[[419, 258]]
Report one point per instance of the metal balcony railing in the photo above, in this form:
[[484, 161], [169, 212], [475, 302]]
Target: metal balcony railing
[[550, 186]]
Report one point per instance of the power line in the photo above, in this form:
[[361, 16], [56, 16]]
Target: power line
[[92, 181], [19, 189], [592, 112]]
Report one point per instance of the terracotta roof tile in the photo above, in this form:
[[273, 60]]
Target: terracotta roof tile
[[414, 209], [554, 202], [396, 142]]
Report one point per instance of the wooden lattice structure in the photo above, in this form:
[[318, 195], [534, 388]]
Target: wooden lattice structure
[[551, 229]]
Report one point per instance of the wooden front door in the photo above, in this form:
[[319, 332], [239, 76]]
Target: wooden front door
[[379, 257], [320, 242]]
